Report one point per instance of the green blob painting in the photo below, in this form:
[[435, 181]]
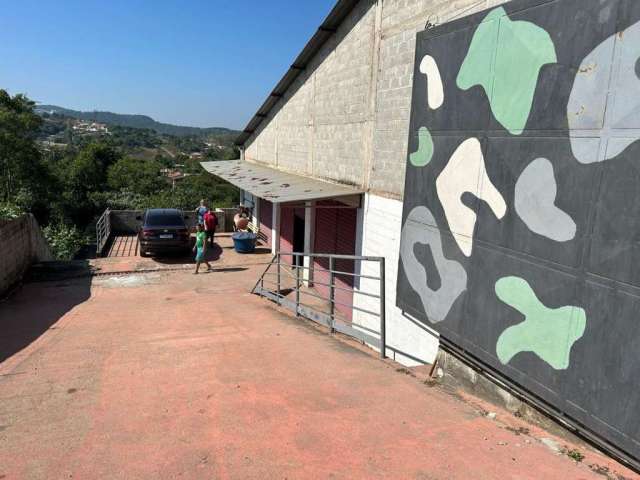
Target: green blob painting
[[548, 332], [422, 156], [505, 58]]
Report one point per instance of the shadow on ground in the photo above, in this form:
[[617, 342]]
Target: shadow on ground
[[212, 254], [35, 308]]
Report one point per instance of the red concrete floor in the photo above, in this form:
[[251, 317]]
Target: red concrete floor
[[172, 375], [123, 255]]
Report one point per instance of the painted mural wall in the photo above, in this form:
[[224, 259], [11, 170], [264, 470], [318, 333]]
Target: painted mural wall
[[521, 223]]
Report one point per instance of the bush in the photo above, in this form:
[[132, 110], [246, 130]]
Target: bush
[[9, 211], [121, 200], [64, 240]]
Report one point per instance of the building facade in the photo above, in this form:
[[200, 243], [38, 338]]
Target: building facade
[[488, 151], [345, 119]]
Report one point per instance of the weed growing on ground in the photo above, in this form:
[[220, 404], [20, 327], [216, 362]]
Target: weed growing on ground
[[574, 454]]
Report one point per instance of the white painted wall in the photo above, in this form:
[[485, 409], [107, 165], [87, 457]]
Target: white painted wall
[[309, 237], [275, 229], [256, 213], [247, 199], [382, 223]]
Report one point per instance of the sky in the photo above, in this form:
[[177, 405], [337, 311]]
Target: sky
[[200, 63]]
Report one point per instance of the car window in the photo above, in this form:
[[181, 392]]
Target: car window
[[162, 219]]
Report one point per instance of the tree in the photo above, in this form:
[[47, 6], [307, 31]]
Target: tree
[[226, 153], [88, 170], [165, 161], [231, 153], [20, 160], [82, 175], [136, 176]]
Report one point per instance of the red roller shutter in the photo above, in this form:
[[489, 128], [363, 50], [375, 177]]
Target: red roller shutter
[[286, 232], [336, 233]]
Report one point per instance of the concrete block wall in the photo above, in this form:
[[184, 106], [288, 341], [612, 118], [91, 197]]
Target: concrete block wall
[[291, 147], [321, 121], [346, 118], [401, 20], [225, 219], [125, 221], [21, 244]]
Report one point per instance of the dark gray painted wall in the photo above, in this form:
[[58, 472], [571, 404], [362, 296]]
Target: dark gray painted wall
[[547, 290]]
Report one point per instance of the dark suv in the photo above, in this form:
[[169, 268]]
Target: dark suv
[[163, 230]]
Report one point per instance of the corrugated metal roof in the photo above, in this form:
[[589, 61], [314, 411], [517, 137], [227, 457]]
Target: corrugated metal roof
[[341, 9], [274, 185]]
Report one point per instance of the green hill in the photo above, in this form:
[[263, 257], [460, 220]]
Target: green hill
[[134, 121]]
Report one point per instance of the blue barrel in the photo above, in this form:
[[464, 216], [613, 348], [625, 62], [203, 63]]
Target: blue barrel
[[244, 242]]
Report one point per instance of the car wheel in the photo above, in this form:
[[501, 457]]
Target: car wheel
[[143, 254]]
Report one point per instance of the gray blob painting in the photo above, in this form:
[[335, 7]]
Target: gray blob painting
[[604, 106], [520, 239], [453, 277], [535, 197]]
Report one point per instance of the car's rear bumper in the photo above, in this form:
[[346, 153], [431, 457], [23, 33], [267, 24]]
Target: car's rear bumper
[[164, 246]]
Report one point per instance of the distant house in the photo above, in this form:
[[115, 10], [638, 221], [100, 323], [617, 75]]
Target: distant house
[[173, 175], [82, 126]]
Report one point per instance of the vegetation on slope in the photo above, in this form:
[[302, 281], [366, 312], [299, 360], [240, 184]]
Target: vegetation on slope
[[134, 121], [68, 185]]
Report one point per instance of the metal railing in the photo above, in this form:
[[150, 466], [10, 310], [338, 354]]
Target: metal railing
[[103, 231], [295, 284]]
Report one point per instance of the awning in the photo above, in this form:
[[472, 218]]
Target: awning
[[274, 185]]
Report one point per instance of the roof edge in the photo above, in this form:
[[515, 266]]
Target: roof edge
[[275, 185], [338, 13], [329, 181]]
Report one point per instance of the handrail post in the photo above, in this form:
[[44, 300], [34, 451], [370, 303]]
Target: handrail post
[[108, 222], [383, 309], [297, 286], [98, 252], [279, 289], [332, 292]]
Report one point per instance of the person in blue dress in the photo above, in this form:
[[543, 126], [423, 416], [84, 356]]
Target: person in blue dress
[[201, 210]]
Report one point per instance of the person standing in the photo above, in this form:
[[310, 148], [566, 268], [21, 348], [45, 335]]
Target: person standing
[[201, 248], [210, 225], [201, 210], [241, 219]]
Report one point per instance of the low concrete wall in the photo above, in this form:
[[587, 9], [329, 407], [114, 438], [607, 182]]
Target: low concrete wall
[[460, 376], [225, 218], [21, 244], [126, 222]]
